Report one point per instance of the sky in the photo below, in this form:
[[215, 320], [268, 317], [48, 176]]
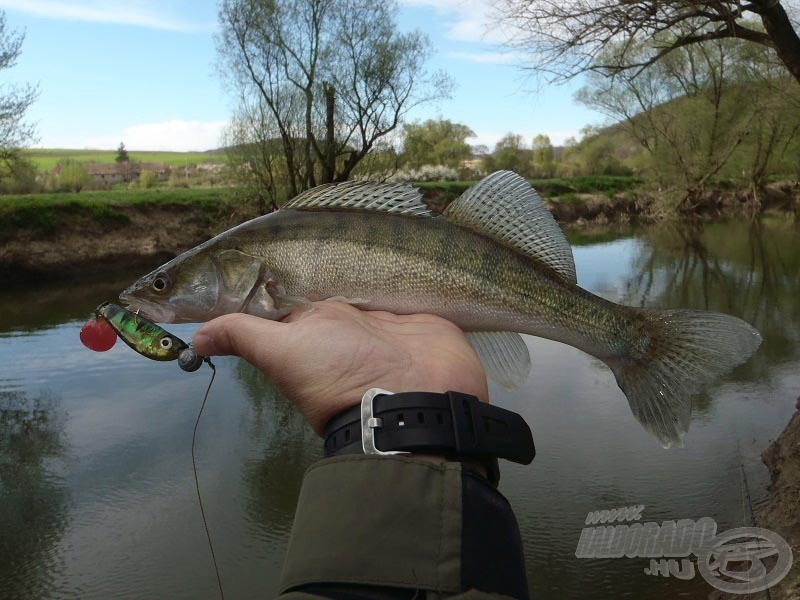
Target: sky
[[143, 72]]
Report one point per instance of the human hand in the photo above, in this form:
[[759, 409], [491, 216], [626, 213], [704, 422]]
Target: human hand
[[325, 359]]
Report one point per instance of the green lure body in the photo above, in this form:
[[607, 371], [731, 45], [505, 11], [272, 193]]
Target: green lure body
[[144, 336]]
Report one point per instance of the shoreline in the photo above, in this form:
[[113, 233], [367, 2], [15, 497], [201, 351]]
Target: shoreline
[[71, 239]]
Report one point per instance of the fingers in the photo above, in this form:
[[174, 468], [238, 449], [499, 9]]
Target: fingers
[[241, 335]]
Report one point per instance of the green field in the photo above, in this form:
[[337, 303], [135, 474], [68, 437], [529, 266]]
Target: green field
[[47, 158]]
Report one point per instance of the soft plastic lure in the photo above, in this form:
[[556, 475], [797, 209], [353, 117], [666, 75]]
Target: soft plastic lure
[[144, 336]]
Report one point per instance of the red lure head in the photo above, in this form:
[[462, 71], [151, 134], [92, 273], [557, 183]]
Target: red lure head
[[98, 335]]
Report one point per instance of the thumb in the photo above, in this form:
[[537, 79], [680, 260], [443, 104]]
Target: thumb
[[241, 335]]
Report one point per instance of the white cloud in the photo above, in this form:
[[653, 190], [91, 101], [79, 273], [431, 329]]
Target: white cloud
[[141, 13], [465, 20], [175, 135]]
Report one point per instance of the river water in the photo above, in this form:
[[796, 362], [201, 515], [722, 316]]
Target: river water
[[97, 494]]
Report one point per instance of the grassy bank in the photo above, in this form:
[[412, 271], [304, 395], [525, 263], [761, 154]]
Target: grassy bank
[[42, 214]]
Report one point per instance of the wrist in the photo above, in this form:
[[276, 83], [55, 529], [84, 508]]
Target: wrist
[[444, 427]]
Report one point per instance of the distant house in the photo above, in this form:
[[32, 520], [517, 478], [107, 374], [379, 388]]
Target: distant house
[[108, 174]]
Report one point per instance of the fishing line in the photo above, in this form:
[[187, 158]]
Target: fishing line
[[196, 480]]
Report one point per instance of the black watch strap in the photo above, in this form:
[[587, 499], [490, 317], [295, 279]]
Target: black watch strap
[[451, 423]]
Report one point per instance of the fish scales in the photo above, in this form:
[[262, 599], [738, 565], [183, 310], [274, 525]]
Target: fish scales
[[408, 265]]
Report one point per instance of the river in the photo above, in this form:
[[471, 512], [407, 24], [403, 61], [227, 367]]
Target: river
[[97, 495]]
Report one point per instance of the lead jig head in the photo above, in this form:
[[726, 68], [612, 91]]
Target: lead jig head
[[189, 360]]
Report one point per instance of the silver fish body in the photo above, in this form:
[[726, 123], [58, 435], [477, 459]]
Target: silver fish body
[[495, 264]]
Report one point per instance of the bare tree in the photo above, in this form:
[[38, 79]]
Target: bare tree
[[568, 37], [332, 76], [14, 100]]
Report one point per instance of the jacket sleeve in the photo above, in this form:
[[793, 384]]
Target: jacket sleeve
[[376, 527]]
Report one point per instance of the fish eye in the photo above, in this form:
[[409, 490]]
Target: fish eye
[[161, 282], [166, 343]]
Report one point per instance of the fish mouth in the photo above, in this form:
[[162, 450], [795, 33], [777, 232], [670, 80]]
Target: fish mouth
[[158, 313]]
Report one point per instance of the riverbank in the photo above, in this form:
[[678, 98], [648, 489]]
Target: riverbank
[[779, 512], [57, 236]]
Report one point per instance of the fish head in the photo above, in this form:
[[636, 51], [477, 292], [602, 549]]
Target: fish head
[[184, 290]]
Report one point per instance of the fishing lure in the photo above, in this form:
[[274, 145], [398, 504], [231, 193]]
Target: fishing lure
[[142, 335]]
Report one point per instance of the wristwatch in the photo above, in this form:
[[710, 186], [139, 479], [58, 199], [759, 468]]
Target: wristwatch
[[451, 424]]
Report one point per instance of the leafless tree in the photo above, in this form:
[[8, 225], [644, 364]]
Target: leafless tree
[[333, 77], [15, 100], [567, 37]]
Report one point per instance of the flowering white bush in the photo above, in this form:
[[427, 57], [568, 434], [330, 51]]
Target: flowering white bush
[[427, 173]]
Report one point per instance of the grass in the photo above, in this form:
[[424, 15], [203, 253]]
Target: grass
[[440, 193], [41, 214], [585, 184], [47, 158]]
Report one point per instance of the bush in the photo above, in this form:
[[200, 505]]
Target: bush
[[19, 176], [147, 179], [426, 173], [73, 175]]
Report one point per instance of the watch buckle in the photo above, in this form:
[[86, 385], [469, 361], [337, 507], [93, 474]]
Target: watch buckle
[[369, 423]]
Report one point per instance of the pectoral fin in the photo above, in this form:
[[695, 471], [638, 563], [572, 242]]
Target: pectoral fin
[[346, 300], [282, 300]]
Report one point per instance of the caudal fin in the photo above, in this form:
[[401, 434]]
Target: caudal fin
[[680, 351]]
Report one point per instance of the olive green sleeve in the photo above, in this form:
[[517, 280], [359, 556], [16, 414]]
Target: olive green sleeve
[[398, 523]]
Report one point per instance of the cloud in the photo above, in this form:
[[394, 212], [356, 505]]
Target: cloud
[[465, 20], [175, 136], [139, 13]]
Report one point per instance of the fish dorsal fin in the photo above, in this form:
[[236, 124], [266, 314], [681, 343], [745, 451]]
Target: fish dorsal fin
[[506, 207], [363, 195]]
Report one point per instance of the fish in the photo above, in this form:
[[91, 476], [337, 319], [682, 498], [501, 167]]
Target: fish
[[494, 262]]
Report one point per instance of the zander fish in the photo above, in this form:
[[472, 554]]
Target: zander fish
[[495, 263]]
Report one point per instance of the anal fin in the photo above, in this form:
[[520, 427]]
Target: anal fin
[[504, 356]]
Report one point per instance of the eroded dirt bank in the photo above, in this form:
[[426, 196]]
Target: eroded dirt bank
[[142, 236], [781, 510], [137, 238]]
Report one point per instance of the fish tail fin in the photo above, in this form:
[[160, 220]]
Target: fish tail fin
[[676, 354]]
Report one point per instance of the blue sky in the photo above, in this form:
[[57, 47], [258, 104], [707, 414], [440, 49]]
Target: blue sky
[[143, 72]]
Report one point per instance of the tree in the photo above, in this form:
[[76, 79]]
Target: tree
[[569, 36], [122, 154], [73, 175], [690, 112], [255, 153], [544, 159], [14, 102], [436, 142], [509, 154], [330, 78]]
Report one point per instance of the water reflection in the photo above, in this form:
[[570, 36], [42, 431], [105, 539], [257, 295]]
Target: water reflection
[[33, 497], [747, 270], [120, 519], [45, 305], [286, 448]]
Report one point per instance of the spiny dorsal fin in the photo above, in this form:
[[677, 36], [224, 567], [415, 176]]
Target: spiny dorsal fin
[[506, 207], [393, 198]]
